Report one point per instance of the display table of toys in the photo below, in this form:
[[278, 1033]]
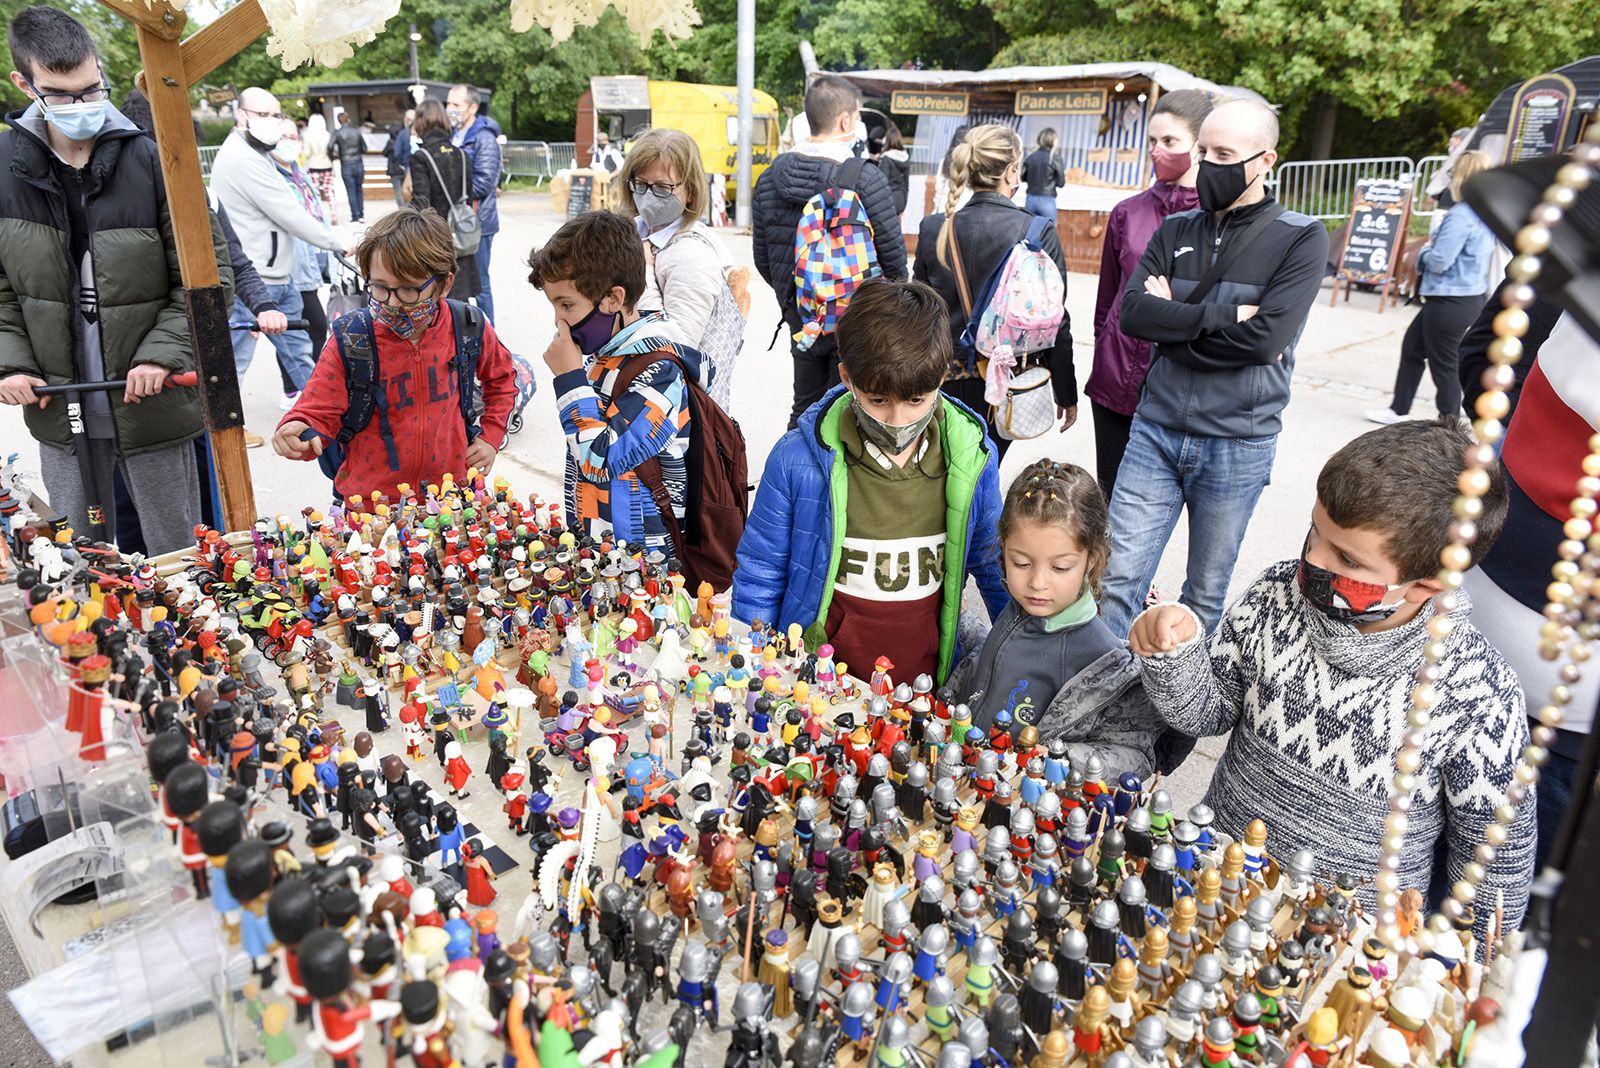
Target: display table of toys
[[430, 777]]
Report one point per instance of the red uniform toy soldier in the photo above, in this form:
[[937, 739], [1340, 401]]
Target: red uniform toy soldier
[[186, 791], [336, 1026]]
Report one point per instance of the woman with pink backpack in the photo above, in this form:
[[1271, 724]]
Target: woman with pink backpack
[[1001, 272]]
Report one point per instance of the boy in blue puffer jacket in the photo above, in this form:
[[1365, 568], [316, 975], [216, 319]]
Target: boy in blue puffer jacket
[[875, 509]]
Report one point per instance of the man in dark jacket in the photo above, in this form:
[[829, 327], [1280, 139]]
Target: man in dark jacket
[[479, 137], [1206, 428], [93, 291], [833, 113], [398, 153], [348, 148]]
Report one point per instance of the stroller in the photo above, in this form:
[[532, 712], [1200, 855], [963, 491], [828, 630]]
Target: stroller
[[349, 293]]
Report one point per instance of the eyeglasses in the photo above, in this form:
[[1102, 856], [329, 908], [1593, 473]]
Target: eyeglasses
[[95, 94], [660, 189], [407, 294], [280, 116]]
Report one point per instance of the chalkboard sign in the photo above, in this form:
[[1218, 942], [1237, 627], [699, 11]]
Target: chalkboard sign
[[1375, 236], [580, 192], [1540, 113]]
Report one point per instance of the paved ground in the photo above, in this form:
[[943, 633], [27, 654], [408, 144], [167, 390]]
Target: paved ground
[[1346, 364]]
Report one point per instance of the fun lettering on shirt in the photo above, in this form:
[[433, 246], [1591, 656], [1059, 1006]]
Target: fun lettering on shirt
[[891, 569]]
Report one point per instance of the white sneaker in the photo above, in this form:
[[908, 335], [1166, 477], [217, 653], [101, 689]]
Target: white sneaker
[[288, 401], [1383, 416]]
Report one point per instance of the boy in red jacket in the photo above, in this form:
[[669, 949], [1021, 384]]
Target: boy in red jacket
[[414, 430]]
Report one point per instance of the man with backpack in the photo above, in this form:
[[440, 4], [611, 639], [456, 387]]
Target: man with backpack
[[393, 396], [852, 233], [1223, 292]]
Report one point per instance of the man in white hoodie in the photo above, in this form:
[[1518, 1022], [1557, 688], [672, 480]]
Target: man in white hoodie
[[269, 216]]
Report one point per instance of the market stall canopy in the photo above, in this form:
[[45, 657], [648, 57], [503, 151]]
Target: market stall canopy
[[1168, 77]]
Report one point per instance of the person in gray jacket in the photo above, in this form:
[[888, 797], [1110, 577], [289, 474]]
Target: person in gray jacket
[[268, 216], [1206, 426]]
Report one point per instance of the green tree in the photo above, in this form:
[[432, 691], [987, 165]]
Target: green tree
[[947, 34], [1380, 58], [711, 55]]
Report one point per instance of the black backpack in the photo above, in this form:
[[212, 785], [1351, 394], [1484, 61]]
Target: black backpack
[[358, 349]]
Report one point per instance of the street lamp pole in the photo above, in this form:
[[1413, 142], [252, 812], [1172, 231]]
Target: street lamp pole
[[747, 107]]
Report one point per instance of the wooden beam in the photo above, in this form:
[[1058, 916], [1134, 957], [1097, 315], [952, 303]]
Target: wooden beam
[[225, 38], [157, 17], [168, 90]]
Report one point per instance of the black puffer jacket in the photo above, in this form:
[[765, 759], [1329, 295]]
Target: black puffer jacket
[[780, 197]]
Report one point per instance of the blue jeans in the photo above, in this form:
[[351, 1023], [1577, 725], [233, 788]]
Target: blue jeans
[[1163, 471], [293, 346], [353, 179], [485, 296], [1042, 206]]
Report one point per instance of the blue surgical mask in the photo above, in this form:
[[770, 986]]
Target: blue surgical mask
[[78, 122]]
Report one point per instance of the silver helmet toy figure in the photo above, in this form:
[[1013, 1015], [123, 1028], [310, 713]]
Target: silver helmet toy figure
[[1021, 823], [996, 845]]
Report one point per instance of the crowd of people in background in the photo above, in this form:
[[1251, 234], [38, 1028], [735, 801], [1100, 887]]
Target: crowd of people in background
[[1205, 287]]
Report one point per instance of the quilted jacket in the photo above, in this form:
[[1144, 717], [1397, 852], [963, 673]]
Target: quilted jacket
[[780, 198], [789, 555], [136, 278]]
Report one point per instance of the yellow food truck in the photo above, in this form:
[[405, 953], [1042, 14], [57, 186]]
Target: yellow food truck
[[627, 106]]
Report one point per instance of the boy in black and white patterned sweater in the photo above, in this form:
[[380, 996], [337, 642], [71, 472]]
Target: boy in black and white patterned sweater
[[1312, 670]]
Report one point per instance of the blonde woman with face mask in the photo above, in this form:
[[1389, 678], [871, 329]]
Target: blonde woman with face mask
[[986, 228], [663, 186]]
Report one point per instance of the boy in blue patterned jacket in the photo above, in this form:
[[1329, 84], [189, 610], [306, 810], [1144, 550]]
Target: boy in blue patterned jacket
[[592, 271], [1312, 671]]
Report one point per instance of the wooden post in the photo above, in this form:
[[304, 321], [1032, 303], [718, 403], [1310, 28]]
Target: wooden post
[[169, 70]]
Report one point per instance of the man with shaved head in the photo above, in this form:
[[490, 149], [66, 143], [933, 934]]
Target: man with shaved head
[[267, 212], [1222, 292]]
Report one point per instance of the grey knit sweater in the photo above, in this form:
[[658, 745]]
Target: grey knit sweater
[[1317, 712]]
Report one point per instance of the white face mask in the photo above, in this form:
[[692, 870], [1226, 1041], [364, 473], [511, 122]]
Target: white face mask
[[286, 151], [266, 130]]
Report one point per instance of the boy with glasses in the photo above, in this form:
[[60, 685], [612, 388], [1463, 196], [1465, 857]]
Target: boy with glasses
[[93, 292], [417, 354]]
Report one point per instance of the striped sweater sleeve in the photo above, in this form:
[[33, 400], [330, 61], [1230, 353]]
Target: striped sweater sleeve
[[1199, 687], [647, 417]]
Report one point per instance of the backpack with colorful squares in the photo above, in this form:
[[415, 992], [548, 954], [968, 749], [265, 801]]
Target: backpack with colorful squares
[[833, 254]]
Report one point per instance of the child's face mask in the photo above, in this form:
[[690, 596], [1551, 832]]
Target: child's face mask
[[593, 331], [893, 439], [1342, 598], [406, 320]]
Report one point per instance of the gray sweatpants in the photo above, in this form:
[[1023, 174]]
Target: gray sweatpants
[[164, 485]]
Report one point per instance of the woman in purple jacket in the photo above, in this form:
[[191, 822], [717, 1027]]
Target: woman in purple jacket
[[1120, 361]]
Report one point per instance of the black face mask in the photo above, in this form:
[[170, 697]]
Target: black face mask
[[1220, 184]]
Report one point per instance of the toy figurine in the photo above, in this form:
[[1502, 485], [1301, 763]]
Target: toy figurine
[[1089, 1027], [457, 771], [336, 1025], [937, 1008], [981, 959]]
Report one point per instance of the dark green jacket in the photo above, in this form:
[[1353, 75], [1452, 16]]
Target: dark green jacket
[[139, 289]]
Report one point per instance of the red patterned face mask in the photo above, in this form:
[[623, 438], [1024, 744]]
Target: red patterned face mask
[[1342, 598]]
